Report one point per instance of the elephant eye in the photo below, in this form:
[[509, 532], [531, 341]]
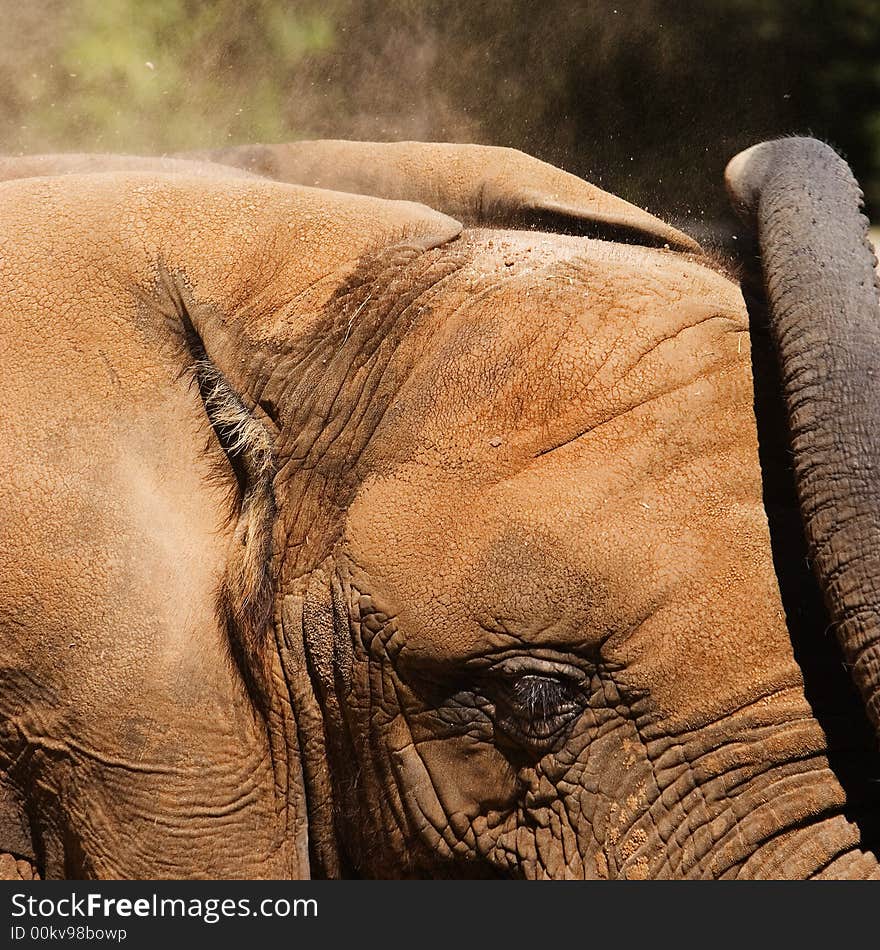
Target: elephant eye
[[535, 705]]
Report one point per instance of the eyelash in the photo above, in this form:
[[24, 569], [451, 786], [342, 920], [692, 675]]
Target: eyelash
[[538, 695], [533, 708]]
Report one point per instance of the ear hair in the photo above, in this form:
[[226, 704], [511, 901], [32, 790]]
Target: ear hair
[[247, 590]]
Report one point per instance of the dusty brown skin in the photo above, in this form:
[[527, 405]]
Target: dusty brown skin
[[477, 184], [505, 605], [37, 166]]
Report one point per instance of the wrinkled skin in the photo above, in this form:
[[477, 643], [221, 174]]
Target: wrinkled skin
[[521, 613], [684, 712], [819, 271]]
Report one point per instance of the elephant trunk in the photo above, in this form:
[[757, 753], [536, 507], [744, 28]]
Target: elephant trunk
[[822, 295]]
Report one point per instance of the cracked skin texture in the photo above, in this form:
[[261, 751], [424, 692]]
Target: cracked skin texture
[[537, 482], [517, 471], [572, 472]]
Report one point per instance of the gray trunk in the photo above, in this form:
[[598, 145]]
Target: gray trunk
[[819, 277]]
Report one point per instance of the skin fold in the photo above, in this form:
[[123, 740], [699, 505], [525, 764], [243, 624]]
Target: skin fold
[[344, 540]]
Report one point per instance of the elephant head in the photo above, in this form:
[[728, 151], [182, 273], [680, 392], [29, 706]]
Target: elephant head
[[349, 540]]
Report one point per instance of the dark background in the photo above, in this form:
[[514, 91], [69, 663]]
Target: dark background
[[647, 98]]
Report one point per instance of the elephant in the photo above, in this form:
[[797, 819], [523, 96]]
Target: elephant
[[417, 510]]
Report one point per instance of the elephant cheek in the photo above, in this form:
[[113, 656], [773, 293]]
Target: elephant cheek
[[446, 784]]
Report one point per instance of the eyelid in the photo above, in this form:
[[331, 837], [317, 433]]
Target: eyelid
[[519, 666]]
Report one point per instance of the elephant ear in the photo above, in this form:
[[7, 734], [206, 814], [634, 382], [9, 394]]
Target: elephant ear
[[255, 285], [266, 277], [232, 282], [482, 186], [238, 276]]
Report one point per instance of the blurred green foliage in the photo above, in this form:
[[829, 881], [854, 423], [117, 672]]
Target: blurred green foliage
[[153, 76], [646, 97]]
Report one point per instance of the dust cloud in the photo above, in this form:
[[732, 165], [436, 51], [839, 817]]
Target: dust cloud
[[643, 97]]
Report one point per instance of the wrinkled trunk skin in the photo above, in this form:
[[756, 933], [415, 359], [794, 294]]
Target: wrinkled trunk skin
[[820, 282]]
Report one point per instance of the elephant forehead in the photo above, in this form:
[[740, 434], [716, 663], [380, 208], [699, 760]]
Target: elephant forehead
[[574, 545], [540, 338], [567, 463]]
